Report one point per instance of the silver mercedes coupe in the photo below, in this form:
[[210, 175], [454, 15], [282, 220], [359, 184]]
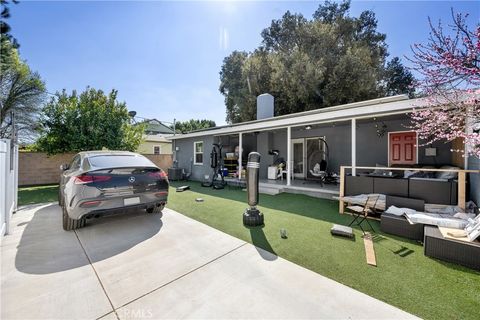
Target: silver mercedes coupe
[[98, 183]]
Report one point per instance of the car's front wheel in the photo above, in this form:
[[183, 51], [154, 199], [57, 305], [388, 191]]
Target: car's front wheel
[[71, 224], [156, 209]]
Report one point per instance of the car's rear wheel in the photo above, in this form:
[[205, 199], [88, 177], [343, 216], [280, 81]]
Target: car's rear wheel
[[156, 209], [60, 202], [71, 224]]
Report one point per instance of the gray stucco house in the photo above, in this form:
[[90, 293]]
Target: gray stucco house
[[362, 134]]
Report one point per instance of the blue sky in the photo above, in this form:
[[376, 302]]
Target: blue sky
[[164, 58]]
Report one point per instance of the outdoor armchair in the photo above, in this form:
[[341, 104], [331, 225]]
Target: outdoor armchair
[[360, 213]]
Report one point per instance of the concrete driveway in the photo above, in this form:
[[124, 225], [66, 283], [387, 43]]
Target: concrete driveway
[[141, 266]]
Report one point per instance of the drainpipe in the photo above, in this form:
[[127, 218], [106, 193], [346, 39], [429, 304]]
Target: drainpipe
[[289, 151], [354, 146], [240, 150], [174, 146], [468, 130]]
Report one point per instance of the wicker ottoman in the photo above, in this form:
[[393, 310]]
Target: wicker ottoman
[[399, 226], [464, 253]]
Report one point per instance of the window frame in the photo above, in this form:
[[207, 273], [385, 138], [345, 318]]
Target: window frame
[[78, 159], [159, 149], [195, 153]]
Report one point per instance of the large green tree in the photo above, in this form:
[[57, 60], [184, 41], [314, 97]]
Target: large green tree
[[7, 41], [192, 125], [91, 120], [21, 89], [398, 79], [22, 93], [308, 64]]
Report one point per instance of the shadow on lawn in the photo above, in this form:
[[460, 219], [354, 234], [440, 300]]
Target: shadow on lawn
[[298, 204], [302, 205], [391, 245], [261, 243], [315, 208]]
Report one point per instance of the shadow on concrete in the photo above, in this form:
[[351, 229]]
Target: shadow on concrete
[[261, 243], [45, 247]]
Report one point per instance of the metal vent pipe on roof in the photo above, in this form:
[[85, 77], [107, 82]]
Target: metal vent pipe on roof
[[265, 106]]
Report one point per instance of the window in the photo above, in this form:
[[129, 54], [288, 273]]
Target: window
[[75, 164], [157, 150], [198, 152], [119, 161]]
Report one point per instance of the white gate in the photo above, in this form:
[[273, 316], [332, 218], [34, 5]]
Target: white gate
[[8, 183]]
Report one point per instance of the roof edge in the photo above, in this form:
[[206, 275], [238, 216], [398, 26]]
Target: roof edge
[[347, 106]]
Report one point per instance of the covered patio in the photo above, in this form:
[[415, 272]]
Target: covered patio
[[313, 153], [304, 152], [311, 188]]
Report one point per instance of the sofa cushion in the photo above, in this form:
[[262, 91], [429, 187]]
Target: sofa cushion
[[447, 175], [344, 231]]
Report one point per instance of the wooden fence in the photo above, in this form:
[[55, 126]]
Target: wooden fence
[[37, 168]]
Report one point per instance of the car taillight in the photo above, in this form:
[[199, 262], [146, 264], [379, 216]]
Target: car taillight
[[89, 204], [85, 178], [158, 175]]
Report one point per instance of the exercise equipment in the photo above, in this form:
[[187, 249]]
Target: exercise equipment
[[252, 217], [183, 188], [186, 175], [320, 169], [216, 164], [342, 231]]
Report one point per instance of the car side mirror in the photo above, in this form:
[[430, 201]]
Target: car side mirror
[[64, 167]]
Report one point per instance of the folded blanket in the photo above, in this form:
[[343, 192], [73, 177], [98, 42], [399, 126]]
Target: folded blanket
[[458, 233], [435, 219]]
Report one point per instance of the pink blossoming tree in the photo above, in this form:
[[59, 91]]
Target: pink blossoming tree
[[450, 67]]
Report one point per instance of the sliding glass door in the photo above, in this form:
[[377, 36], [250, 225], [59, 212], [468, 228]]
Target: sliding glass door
[[298, 157]]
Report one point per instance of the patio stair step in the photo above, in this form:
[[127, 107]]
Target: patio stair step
[[270, 189]]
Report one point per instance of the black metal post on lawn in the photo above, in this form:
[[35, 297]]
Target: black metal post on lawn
[[252, 217]]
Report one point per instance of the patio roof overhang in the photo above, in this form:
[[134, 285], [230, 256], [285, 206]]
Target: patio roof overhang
[[400, 104]]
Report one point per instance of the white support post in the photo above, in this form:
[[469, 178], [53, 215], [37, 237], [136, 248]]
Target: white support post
[[354, 146], [289, 153], [240, 150]]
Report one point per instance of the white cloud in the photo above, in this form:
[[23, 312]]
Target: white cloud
[[223, 38]]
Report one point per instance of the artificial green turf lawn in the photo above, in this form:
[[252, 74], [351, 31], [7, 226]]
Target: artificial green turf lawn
[[404, 277], [41, 194]]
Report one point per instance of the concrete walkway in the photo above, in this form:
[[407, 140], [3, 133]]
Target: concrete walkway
[[141, 266]]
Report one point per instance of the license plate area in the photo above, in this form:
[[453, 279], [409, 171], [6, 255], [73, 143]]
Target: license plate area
[[131, 201]]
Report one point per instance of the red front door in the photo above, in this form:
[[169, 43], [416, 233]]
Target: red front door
[[403, 148]]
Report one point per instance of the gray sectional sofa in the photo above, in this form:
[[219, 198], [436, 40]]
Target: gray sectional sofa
[[454, 251], [399, 226], [430, 190]]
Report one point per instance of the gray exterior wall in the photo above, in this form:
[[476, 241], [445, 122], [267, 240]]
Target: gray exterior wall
[[184, 156], [262, 147], [474, 179], [339, 142], [371, 149]]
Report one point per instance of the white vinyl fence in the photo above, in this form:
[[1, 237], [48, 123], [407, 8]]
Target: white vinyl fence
[[8, 183]]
